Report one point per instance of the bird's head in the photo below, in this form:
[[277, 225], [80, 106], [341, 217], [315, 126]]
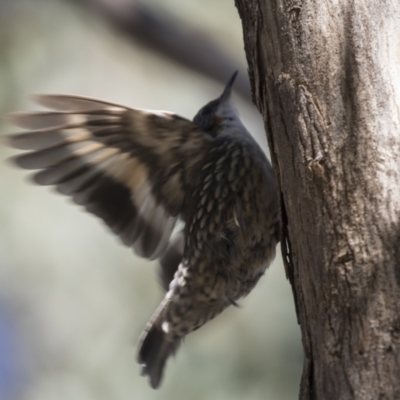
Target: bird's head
[[218, 111]]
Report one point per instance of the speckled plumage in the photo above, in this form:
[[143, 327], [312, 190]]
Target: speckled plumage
[[140, 171]]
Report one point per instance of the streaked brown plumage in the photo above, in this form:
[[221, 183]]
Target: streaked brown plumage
[[141, 171]]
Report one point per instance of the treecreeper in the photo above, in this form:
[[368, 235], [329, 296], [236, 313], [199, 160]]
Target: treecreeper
[[141, 171]]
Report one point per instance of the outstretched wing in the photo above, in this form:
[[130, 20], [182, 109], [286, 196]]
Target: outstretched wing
[[127, 166]]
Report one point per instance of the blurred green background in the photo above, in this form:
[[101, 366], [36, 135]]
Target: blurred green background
[[73, 300]]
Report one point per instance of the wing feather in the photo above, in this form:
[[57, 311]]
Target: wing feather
[[127, 166]]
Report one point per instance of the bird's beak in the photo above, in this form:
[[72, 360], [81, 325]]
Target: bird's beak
[[226, 94]]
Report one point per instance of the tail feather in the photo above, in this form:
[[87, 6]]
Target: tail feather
[[154, 350]]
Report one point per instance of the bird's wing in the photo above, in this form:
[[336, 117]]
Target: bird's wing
[[127, 166]]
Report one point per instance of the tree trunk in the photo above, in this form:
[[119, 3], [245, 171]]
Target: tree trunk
[[326, 77]]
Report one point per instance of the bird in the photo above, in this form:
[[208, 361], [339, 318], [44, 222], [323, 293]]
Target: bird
[[142, 172]]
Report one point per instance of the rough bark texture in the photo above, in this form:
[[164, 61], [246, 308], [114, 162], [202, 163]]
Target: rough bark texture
[[326, 77]]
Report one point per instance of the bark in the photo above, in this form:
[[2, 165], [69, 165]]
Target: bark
[[326, 77]]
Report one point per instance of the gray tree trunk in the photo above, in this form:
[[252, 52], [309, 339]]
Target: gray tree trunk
[[326, 78]]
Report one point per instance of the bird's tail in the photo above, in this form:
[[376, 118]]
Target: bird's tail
[[154, 347], [154, 350]]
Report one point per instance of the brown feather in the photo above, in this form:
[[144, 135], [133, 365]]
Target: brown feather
[[124, 165]]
